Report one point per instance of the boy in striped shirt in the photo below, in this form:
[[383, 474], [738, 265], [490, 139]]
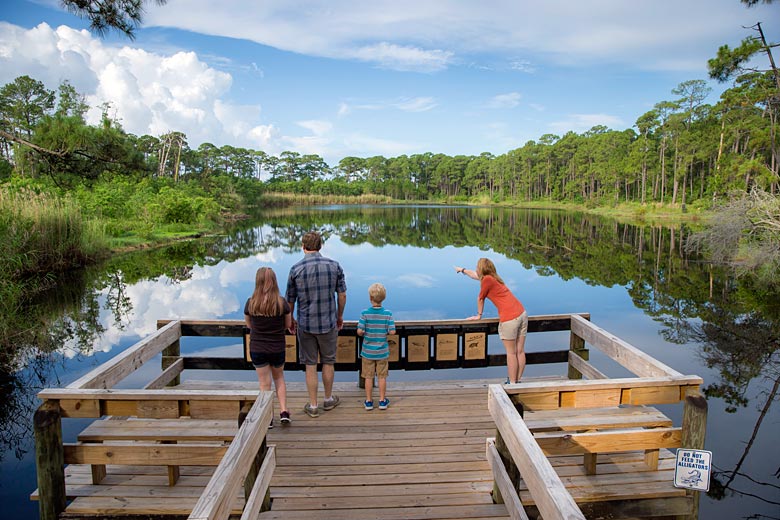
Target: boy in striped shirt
[[374, 325]]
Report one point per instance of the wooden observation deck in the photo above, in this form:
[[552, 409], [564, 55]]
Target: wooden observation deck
[[578, 445]]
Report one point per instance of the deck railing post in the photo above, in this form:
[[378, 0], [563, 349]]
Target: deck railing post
[[509, 465], [694, 428], [254, 470], [577, 346], [49, 460], [169, 357]]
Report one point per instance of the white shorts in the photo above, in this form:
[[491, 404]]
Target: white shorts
[[513, 328]]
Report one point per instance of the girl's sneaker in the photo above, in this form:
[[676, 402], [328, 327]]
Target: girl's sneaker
[[284, 417], [384, 403], [369, 405]]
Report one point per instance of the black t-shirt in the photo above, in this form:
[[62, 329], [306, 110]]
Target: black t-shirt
[[267, 332]]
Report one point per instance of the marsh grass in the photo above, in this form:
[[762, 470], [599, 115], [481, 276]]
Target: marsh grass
[[310, 199], [40, 234]]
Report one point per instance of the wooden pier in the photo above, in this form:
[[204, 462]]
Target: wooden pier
[[578, 445]]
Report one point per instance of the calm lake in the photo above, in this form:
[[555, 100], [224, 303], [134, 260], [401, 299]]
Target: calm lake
[[637, 282]]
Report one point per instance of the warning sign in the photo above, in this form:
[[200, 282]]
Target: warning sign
[[692, 469]]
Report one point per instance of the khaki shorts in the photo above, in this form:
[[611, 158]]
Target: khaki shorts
[[374, 366], [513, 328]]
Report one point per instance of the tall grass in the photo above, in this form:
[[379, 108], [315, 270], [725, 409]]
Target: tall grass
[[40, 234], [307, 199]]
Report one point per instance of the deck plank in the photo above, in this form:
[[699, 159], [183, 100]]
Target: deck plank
[[412, 461]]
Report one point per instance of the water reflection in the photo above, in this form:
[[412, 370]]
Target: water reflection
[[553, 259]]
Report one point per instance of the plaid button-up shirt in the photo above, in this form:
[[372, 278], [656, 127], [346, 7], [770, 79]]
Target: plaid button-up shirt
[[312, 286]]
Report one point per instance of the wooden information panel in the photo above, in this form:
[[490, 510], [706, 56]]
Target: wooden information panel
[[394, 343], [290, 343], [418, 348], [475, 346], [446, 347], [346, 349]]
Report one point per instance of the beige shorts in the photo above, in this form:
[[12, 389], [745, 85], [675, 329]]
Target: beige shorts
[[513, 328], [374, 366]]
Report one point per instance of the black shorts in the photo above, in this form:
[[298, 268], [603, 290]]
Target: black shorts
[[261, 359]]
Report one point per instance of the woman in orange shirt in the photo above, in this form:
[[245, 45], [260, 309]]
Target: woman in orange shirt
[[512, 318]]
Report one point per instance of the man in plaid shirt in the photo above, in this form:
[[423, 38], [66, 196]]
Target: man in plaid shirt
[[312, 283]]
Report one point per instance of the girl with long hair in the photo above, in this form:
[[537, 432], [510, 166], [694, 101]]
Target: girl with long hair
[[512, 317], [267, 314]]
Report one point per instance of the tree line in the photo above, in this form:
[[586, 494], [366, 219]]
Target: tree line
[[683, 151]]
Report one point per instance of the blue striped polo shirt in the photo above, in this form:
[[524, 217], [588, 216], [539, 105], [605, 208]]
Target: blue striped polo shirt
[[376, 322]]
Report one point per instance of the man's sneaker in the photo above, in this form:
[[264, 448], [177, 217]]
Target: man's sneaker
[[384, 403], [330, 404], [507, 381], [284, 417], [369, 405], [271, 426], [311, 411]]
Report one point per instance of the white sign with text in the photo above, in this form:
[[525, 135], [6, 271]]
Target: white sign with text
[[693, 469]]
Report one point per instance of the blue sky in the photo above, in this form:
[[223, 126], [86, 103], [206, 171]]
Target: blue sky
[[391, 77]]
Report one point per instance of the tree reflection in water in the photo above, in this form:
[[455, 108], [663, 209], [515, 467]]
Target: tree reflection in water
[[735, 323]]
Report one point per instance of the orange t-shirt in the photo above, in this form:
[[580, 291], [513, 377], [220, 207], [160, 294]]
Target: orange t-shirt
[[508, 306]]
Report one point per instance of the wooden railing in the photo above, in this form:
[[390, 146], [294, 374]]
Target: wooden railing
[[418, 345], [217, 499], [656, 383], [93, 396], [550, 495]]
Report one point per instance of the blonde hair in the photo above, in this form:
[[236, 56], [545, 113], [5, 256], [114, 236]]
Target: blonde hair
[[266, 300], [486, 267], [377, 293]]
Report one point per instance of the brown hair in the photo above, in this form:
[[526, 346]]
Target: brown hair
[[486, 267], [266, 300], [312, 241], [377, 293]]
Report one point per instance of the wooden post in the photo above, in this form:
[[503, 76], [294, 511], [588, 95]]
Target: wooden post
[[694, 428], [169, 357], [257, 463], [49, 460], [577, 346], [511, 468]]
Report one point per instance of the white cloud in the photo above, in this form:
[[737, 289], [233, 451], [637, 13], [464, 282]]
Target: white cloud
[[508, 100], [584, 122], [418, 104], [149, 93], [404, 58], [430, 36], [316, 127], [522, 66]]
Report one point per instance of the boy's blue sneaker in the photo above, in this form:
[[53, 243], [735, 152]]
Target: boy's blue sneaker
[[369, 405], [384, 403]]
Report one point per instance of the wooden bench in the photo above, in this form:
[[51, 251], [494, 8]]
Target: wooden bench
[[591, 431], [580, 419], [184, 429], [146, 438]]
